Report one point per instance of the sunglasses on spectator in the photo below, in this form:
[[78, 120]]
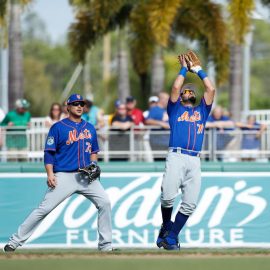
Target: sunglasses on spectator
[[187, 91], [77, 103]]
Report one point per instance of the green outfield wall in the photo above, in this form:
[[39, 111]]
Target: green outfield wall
[[233, 208], [145, 167]]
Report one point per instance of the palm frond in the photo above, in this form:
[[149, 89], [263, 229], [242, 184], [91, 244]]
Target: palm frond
[[203, 21], [3, 10], [141, 39], [92, 22], [240, 18], [161, 15]]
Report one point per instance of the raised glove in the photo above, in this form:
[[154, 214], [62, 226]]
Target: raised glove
[[193, 62], [92, 171]]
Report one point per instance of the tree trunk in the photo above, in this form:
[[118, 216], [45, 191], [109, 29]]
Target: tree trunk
[[87, 93], [123, 75], [15, 72], [236, 82], [157, 73], [106, 61]]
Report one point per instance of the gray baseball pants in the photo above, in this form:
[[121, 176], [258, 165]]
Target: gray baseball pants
[[184, 172], [68, 184]]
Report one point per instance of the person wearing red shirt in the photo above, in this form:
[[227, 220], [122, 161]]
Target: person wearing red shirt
[[135, 113]]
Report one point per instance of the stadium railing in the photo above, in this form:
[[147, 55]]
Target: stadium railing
[[147, 143]]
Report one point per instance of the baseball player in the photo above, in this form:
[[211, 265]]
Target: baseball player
[[70, 158], [182, 169]]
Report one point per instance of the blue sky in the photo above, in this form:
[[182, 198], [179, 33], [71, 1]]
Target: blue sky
[[57, 15]]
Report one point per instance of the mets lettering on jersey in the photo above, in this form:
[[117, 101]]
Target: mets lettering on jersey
[[73, 143], [72, 136], [187, 124]]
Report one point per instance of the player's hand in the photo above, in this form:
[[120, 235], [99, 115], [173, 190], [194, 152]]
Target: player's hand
[[51, 181], [182, 60]]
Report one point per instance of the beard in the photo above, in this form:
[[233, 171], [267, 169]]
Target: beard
[[191, 100]]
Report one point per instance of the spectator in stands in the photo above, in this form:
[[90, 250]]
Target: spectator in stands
[[135, 113], [157, 114], [121, 120], [93, 114], [219, 120], [251, 139], [152, 102], [117, 102], [65, 113], [54, 115], [159, 138], [17, 121], [222, 124]]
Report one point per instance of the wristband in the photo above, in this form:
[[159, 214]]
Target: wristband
[[202, 74], [183, 72]]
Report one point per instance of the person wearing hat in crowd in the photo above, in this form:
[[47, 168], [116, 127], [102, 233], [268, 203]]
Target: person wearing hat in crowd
[[121, 120], [17, 121], [135, 113], [152, 102], [158, 117], [70, 151], [157, 114]]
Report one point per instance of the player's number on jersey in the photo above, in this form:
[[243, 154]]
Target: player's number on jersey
[[200, 128], [88, 147]]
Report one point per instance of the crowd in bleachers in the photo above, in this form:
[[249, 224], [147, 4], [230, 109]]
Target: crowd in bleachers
[[126, 116]]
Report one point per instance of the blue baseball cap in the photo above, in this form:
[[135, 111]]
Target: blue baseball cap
[[75, 97]]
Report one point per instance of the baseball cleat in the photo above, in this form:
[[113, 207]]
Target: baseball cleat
[[163, 232], [8, 248], [170, 244]]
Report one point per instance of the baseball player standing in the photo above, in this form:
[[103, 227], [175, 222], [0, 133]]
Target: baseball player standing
[[71, 150], [183, 168]]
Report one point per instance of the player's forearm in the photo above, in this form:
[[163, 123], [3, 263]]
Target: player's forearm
[[209, 91], [49, 169], [178, 83]]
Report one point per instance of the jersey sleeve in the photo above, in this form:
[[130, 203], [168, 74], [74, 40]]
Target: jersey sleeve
[[52, 139], [172, 106], [95, 147]]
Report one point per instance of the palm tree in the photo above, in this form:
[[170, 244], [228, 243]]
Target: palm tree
[[239, 23], [15, 70], [152, 23], [122, 65]]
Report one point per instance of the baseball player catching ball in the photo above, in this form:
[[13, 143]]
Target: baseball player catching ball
[[183, 168], [71, 163]]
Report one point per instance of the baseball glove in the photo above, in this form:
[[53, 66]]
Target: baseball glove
[[92, 172], [193, 62]]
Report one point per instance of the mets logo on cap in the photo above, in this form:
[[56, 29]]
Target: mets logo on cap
[[74, 97]]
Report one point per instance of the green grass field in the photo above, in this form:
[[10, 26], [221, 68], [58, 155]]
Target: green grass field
[[221, 259]]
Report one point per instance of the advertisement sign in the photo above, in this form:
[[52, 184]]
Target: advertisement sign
[[233, 211]]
